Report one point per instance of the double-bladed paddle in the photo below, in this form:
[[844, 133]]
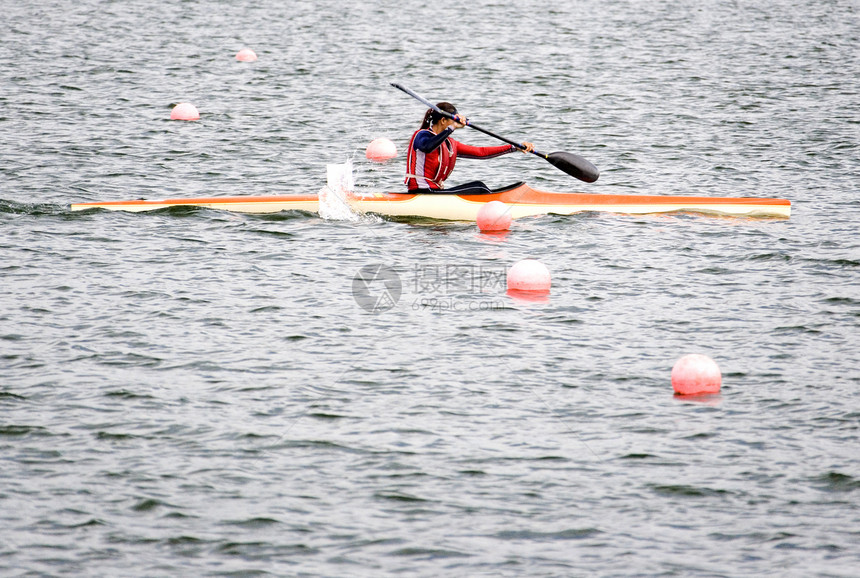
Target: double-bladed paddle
[[572, 164]]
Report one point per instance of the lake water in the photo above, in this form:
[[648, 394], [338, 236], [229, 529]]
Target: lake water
[[193, 392]]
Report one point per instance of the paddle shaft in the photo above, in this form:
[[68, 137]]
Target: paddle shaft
[[572, 164], [467, 123]]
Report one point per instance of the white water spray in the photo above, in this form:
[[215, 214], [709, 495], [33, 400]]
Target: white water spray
[[332, 197]]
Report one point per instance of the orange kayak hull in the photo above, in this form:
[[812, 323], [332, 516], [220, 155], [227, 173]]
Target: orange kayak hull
[[523, 200]]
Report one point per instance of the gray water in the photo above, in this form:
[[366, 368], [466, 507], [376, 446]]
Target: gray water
[[192, 392]]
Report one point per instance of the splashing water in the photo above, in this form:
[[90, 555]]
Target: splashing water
[[332, 197]]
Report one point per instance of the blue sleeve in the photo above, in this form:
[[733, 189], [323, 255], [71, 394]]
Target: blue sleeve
[[426, 141]]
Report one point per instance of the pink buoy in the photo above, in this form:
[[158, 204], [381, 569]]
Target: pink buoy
[[184, 111], [529, 275], [696, 374], [528, 297], [246, 55], [380, 150], [494, 216]]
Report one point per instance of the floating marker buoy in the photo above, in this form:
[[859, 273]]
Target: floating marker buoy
[[246, 55], [184, 111], [380, 150], [696, 374], [528, 296], [494, 216], [529, 275]]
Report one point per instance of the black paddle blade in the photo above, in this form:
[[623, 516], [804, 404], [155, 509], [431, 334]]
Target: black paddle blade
[[574, 165]]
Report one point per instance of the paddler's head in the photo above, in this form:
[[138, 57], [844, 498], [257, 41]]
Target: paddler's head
[[432, 117]]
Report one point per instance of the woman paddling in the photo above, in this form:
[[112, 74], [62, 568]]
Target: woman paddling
[[432, 154]]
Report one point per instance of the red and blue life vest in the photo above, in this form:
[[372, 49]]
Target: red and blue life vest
[[431, 157]]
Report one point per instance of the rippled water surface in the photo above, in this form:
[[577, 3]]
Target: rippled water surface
[[191, 392]]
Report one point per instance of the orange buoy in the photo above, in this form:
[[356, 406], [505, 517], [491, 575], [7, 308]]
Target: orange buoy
[[529, 275], [246, 55], [696, 374], [184, 111], [380, 150], [494, 216]]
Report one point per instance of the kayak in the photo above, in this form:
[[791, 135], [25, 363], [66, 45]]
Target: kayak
[[523, 200]]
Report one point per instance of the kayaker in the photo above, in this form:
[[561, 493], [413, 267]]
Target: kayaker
[[432, 154]]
